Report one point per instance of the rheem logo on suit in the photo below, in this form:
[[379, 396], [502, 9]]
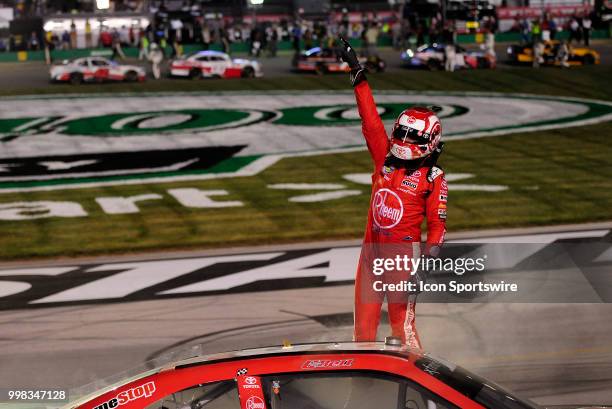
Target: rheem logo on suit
[[387, 209]]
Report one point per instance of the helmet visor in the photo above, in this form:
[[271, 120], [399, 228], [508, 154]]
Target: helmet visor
[[410, 135]]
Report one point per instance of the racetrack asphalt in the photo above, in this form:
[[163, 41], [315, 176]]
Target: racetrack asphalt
[[35, 74], [554, 353]]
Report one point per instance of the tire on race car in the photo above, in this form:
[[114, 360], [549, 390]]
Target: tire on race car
[[248, 72], [76, 78], [433, 64], [482, 62], [588, 59], [195, 74], [320, 68], [375, 64], [131, 76]]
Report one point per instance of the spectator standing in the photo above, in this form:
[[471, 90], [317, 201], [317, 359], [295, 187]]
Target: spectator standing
[[586, 30], [296, 35], [406, 33], [256, 38], [420, 34], [433, 28], [545, 28], [450, 56], [73, 35], [490, 45], [448, 34], [563, 54], [307, 39], [536, 31], [124, 36], [574, 29], [55, 41], [155, 57], [396, 35], [272, 37], [144, 47], [106, 39], [88, 37], [34, 44], [524, 27], [225, 41], [49, 40], [371, 37], [538, 54], [552, 25], [65, 40], [205, 35], [116, 44], [48, 46]]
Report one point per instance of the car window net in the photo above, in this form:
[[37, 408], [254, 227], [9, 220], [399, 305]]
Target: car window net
[[220, 395]]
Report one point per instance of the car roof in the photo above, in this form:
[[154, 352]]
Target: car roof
[[336, 347], [402, 351], [210, 52]]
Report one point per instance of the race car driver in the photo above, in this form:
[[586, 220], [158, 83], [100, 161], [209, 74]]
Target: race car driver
[[406, 187]]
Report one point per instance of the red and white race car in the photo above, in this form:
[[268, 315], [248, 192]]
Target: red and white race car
[[95, 69], [214, 64], [315, 376]]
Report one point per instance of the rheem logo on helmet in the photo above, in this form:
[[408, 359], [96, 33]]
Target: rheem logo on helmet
[[387, 209]]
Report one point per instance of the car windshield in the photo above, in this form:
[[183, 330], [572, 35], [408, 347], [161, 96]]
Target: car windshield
[[349, 390], [188, 55], [474, 387], [312, 51]]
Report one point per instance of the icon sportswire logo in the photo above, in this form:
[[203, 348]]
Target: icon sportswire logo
[[73, 142]]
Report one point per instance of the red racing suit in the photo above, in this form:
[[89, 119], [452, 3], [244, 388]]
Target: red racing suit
[[400, 200]]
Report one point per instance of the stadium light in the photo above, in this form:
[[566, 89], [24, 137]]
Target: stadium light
[[102, 4], [256, 2]]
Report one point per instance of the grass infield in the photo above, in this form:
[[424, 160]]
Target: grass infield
[[557, 176]]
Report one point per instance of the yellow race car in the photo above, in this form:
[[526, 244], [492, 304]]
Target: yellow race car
[[523, 54]]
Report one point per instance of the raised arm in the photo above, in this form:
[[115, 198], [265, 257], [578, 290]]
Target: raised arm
[[372, 126]]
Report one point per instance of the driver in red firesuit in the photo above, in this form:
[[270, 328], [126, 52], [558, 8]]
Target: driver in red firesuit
[[407, 187]]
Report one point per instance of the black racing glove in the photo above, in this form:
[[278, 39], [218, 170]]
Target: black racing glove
[[350, 57]]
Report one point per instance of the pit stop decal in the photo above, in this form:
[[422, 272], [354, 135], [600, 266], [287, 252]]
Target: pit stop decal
[[142, 391]]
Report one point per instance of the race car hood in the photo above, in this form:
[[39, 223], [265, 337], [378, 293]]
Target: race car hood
[[131, 67]]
